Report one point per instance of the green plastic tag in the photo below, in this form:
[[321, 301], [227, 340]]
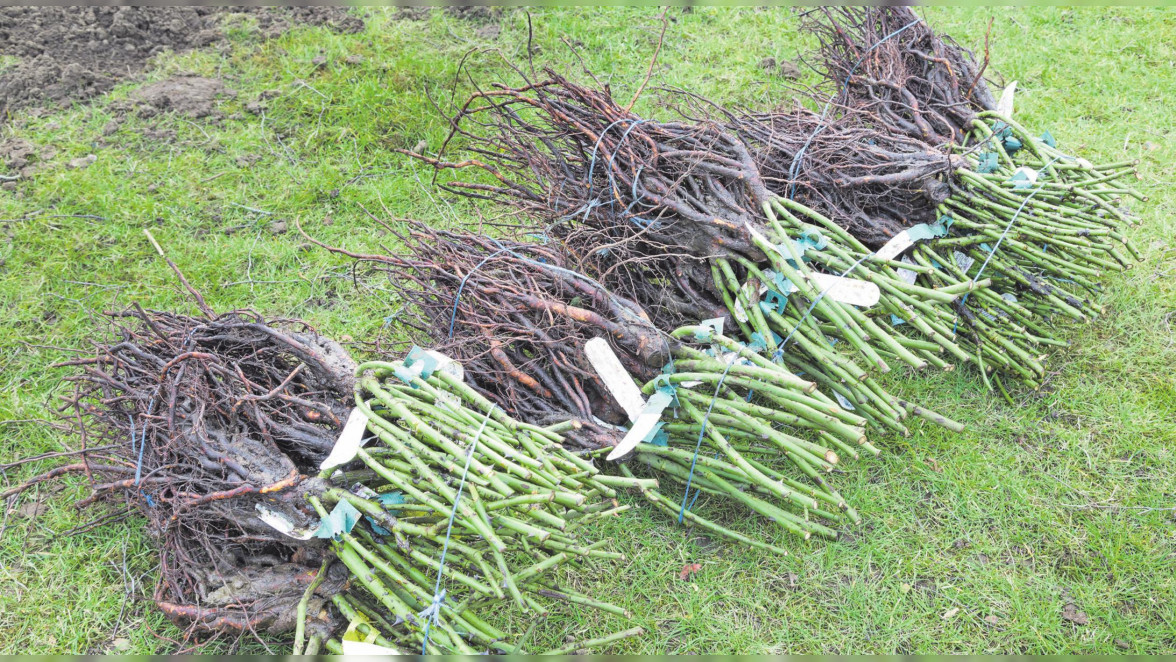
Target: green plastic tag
[[389, 499], [757, 342], [774, 301], [812, 238], [663, 384], [427, 362], [710, 328], [924, 231], [988, 163], [657, 436], [418, 364], [341, 520]]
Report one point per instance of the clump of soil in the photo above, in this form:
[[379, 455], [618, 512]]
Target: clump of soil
[[187, 95], [22, 157], [68, 54]]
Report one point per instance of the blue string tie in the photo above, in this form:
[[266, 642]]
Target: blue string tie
[[430, 614], [794, 169]]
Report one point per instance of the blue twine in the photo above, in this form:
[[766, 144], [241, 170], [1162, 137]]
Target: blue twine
[[592, 161], [457, 298], [142, 445], [821, 295], [431, 612], [1014, 218], [719, 386], [1009, 227], [794, 169], [587, 207], [641, 222], [698, 446]]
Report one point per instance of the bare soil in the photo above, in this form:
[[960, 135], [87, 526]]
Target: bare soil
[[63, 55]]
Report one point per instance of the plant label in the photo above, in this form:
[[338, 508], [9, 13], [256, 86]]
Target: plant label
[[282, 524], [897, 244], [1005, 105], [616, 379], [906, 275], [860, 293], [644, 424], [349, 442]]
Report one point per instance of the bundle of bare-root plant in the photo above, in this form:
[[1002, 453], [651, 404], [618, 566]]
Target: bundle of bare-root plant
[[985, 199], [516, 315], [676, 216], [744, 429], [888, 62], [880, 191], [213, 429], [906, 78], [195, 422]]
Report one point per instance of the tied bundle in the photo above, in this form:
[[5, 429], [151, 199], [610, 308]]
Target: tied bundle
[[676, 217], [743, 429], [195, 422], [213, 429], [516, 316], [981, 200]]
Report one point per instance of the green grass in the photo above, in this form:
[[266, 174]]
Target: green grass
[[1065, 498]]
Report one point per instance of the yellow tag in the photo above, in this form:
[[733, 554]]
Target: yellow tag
[[352, 633]]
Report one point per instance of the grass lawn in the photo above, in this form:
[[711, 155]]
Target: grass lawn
[[1047, 527]]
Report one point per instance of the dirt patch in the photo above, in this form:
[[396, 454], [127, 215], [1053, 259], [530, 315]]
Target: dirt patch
[[187, 95], [475, 13], [68, 54], [1072, 613], [22, 157]]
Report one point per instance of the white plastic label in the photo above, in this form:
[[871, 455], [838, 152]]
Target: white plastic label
[[364, 648], [739, 311], [845, 404], [963, 260], [349, 442], [447, 365], [616, 379], [1029, 173], [897, 244], [847, 290], [906, 275], [1005, 105], [282, 524], [733, 358], [645, 422]]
